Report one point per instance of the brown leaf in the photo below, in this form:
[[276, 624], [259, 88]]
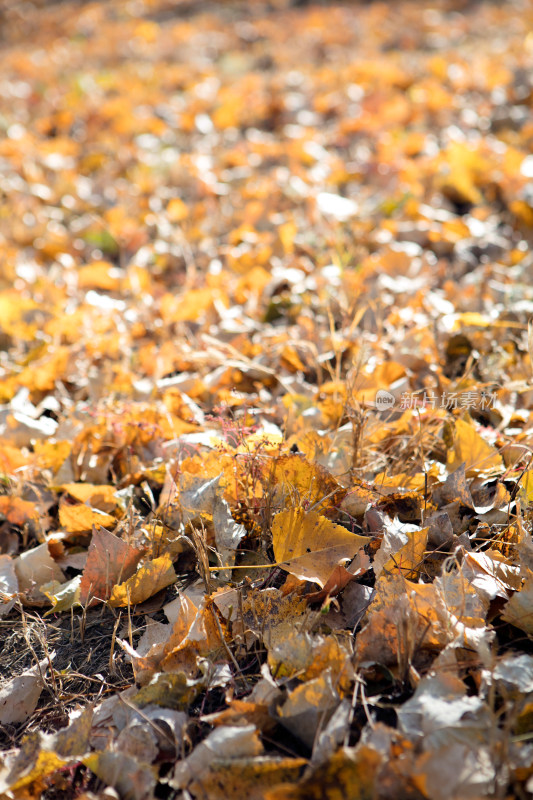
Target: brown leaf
[[110, 561]]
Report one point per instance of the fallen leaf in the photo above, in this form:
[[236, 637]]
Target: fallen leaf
[[8, 584], [79, 518], [147, 581], [18, 511], [102, 498], [33, 569], [133, 779], [19, 696], [408, 559], [110, 561], [298, 481], [233, 778], [296, 532], [222, 743], [305, 705], [350, 772], [63, 596], [519, 609], [470, 449]]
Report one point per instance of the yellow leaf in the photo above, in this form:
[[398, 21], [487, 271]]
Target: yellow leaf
[[51, 455], [98, 496], [63, 596], [46, 763], [252, 283], [177, 211], [311, 547], [367, 383], [350, 772], [325, 566], [150, 579], [298, 479], [80, 518], [470, 319], [291, 359], [296, 532], [235, 778], [190, 307], [286, 233], [470, 449], [18, 315], [168, 690], [409, 558], [527, 486], [465, 168], [414, 482], [100, 275], [267, 443], [11, 458], [305, 704], [294, 652], [41, 375]]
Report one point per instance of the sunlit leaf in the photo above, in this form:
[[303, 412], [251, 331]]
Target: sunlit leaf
[[519, 609], [310, 546], [79, 518], [110, 561], [17, 511], [471, 449], [147, 581]]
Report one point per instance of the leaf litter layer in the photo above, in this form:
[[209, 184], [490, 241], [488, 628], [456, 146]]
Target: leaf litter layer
[[265, 385]]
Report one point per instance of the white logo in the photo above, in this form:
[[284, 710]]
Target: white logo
[[384, 399]]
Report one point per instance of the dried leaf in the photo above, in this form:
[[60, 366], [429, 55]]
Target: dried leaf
[[102, 498], [110, 561], [80, 518], [19, 696], [306, 704], [296, 532], [350, 772], [470, 449], [221, 744], [147, 581], [33, 569], [519, 609], [63, 596], [133, 779], [18, 511], [8, 584]]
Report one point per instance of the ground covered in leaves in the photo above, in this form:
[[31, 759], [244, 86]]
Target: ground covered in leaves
[[266, 463]]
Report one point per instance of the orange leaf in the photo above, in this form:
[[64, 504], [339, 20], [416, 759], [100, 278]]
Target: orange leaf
[[11, 458], [100, 275], [177, 211], [17, 511], [80, 518]]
